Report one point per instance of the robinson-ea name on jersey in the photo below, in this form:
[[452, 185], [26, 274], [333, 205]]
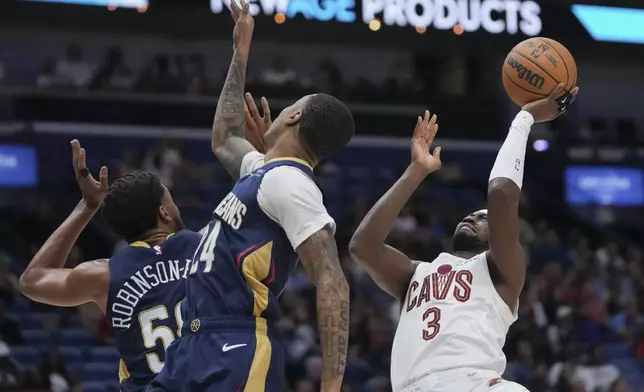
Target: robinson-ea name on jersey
[[141, 283]]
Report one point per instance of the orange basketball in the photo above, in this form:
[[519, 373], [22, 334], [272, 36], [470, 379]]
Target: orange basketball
[[535, 67]]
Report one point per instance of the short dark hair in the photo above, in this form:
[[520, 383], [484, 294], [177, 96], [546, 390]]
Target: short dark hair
[[131, 206], [326, 125]]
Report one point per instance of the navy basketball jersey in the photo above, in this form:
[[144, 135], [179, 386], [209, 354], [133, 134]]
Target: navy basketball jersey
[[144, 304], [244, 260]]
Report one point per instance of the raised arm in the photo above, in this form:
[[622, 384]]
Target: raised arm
[[319, 257], [45, 280], [228, 142], [504, 192], [388, 267]]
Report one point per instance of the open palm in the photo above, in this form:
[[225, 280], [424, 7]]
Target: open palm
[[426, 129]]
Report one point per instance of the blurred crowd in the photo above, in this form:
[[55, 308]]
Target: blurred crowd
[[189, 75], [580, 327]]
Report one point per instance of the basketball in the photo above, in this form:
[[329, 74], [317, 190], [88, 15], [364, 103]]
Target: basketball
[[535, 67]]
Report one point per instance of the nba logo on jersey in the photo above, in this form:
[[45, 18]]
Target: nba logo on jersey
[[157, 249], [517, 164]]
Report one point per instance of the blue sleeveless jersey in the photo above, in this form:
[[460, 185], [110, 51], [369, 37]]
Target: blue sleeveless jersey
[[147, 286], [243, 262]]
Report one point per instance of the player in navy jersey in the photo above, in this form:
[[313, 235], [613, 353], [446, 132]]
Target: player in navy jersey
[[273, 216], [141, 286]]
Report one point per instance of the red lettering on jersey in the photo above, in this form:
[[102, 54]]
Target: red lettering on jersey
[[433, 324], [411, 302], [438, 285], [441, 283], [425, 291], [463, 285]]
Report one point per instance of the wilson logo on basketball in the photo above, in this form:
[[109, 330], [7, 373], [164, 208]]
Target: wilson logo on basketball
[[526, 73]]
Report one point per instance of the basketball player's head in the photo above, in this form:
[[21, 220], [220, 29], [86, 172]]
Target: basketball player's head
[[320, 124], [137, 205], [471, 234]]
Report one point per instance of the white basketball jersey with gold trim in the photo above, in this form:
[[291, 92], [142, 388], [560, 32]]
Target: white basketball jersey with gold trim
[[452, 317]]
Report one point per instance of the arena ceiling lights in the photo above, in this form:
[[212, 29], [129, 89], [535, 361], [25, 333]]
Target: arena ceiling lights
[[611, 24], [137, 4]]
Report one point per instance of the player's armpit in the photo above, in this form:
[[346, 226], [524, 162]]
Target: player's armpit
[[319, 257], [505, 249], [88, 282]]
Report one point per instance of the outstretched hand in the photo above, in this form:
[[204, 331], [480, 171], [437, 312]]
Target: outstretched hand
[[93, 191], [256, 124], [244, 25], [426, 129], [553, 106]]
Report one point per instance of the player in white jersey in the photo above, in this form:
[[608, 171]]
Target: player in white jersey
[[456, 310]]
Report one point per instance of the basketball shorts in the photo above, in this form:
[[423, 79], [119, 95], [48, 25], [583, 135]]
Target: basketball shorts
[[464, 380], [224, 355]]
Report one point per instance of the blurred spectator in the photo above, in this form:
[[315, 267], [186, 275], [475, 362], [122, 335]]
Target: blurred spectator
[[8, 280], [73, 70], [114, 74], [158, 78], [197, 82], [9, 372], [54, 370], [9, 328], [279, 73], [162, 161], [46, 77]]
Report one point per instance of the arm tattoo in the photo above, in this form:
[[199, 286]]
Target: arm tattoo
[[228, 141], [319, 257]]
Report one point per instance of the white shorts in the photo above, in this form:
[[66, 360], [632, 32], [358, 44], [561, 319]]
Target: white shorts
[[464, 380]]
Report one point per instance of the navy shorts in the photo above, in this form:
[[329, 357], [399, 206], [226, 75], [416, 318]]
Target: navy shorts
[[226, 355]]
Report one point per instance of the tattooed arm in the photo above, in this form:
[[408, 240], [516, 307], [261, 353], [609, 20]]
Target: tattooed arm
[[228, 142], [319, 257], [290, 197]]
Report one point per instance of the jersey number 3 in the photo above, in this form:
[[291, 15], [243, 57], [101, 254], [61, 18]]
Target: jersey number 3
[[207, 246], [432, 317], [163, 333]]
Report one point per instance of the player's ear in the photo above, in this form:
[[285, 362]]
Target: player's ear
[[294, 118], [164, 215]]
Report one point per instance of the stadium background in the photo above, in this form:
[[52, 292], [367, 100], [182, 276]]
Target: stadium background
[[138, 88]]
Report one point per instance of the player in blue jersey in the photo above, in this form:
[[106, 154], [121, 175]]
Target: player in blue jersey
[[273, 216], [140, 287]]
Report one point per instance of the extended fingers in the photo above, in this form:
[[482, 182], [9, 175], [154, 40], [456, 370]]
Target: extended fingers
[[266, 109], [250, 102], [557, 92]]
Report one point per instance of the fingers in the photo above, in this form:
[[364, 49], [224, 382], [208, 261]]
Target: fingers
[[417, 130], [75, 152], [574, 93], [247, 117], [102, 177], [235, 11], [250, 102], [557, 92], [244, 7], [427, 116], [437, 153], [267, 110]]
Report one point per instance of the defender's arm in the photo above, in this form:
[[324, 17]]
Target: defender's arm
[[45, 280], [319, 257], [387, 266], [292, 199], [504, 192], [228, 142]]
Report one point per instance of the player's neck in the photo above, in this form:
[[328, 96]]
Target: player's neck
[[156, 237], [464, 255], [288, 151]]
